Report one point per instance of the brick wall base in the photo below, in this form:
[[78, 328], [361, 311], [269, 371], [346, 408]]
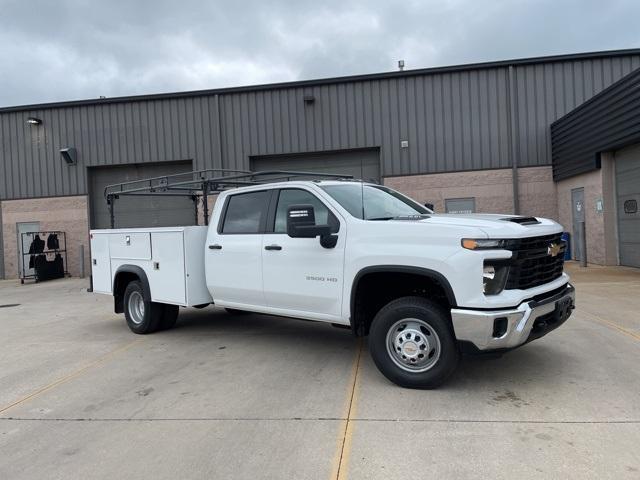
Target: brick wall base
[[492, 190], [600, 226], [68, 214]]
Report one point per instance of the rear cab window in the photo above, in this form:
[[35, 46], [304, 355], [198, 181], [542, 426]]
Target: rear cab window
[[245, 213]]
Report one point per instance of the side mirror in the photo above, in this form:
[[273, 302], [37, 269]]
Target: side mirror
[[301, 223], [429, 206]]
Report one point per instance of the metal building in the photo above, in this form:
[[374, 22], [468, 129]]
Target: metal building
[[469, 137], [596, 151]]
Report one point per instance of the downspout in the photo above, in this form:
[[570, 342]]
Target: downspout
[[513, 137]]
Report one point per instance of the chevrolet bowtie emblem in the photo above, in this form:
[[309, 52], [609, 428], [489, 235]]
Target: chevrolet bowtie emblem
[[554, 249]]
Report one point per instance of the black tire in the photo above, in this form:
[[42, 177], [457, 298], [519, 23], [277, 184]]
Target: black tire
[[169, 316], [141, 322], [233, 311], [427, 322]]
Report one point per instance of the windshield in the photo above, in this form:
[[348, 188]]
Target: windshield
[[380, 203]]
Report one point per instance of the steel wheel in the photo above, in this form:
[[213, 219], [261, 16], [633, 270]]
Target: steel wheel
[[136, 307], [413, 345]]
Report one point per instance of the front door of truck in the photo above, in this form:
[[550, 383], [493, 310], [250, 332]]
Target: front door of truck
[[233, 254], [299, 274]]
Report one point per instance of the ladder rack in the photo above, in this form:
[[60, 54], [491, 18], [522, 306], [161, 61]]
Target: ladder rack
[[199, 184]]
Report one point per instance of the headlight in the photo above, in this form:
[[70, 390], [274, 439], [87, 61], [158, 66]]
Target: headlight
[[484, 243], [494, 278]]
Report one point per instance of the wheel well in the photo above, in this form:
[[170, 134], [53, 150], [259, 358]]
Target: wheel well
[[120, 283], [374, 290]]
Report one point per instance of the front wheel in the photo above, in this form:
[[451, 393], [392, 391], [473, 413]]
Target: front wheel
[[412, 344]]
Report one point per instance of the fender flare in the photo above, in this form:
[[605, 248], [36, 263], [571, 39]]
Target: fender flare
[[425, 272], [140, 273]]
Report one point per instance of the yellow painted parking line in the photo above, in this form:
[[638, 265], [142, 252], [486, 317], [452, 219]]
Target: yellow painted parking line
[[615, 326], [72, 375], [341, 460]]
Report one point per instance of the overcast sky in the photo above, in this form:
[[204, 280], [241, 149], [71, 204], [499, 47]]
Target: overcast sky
[[52, 50]]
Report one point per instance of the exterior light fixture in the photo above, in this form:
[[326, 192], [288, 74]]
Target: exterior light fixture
[[34, 121], [309, 99], [69, 155]]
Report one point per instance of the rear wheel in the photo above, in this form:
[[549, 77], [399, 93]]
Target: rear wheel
[[412, 344], [142, 316]]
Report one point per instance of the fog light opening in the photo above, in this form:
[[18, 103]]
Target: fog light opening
[[500, 326]]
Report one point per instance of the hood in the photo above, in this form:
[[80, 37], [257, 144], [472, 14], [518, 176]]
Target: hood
[[496, 225]]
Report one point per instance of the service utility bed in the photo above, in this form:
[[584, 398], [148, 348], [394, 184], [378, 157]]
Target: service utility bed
[[171, 257]]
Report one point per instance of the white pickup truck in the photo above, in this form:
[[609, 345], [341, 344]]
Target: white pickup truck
[[424, 287]]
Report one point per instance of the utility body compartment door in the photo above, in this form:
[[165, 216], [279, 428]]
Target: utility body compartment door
[[130, 245], [167, 273], [100, 263]]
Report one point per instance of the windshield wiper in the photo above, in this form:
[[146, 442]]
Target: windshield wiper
[[381, 218]]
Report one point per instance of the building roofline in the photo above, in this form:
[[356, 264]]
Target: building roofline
[[327, 81]]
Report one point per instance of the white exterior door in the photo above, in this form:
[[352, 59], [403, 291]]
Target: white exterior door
[[233, 253], [299, 274]]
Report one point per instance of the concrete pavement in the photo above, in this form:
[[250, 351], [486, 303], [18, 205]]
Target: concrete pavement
[[254, 396]]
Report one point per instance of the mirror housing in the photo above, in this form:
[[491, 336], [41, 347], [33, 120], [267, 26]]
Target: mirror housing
[[429, 206], [301, 223]]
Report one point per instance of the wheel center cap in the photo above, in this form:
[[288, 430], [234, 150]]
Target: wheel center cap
[[410, 349]]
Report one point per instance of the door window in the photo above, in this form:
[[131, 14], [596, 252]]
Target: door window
[[295, 196], [246, 212]]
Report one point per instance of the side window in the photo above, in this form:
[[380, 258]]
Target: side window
[[293, 196], [245, 212]]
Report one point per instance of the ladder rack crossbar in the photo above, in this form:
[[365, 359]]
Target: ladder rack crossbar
[[210, 184]]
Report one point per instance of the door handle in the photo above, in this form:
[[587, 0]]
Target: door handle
[[273, 247], [215, 247]]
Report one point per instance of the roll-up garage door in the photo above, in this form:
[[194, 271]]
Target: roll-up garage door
[[362, 164], [628, 193], [154, 211]]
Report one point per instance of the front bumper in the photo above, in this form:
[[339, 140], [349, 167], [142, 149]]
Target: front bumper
[[510, 328]]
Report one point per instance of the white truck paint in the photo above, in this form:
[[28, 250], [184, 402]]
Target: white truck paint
[[272, 272]]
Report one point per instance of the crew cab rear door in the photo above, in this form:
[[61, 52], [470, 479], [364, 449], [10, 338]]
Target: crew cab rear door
[[233, 256], [300, 276]]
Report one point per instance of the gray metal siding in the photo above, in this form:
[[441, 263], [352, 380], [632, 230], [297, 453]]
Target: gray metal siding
[[606, 122], [456, 119]]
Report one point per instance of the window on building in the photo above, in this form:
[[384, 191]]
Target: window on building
[[460, 205]]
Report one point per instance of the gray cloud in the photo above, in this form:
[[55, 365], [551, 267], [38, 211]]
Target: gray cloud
[[72, 49]]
